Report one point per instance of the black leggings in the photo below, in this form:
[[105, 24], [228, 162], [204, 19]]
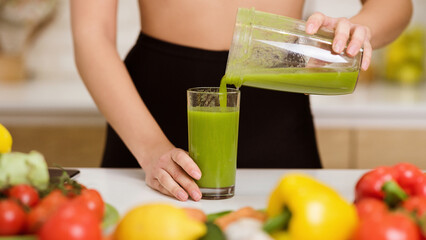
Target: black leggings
[[276, 128]]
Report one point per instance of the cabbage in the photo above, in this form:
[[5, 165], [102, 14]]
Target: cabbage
[[22, 168]]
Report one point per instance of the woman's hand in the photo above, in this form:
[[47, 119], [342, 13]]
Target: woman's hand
[[358, 35], [173, 174]]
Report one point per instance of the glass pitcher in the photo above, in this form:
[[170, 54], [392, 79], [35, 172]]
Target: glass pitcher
[[274, 52]]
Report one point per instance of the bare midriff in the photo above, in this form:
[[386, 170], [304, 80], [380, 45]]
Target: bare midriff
[[205, 24]]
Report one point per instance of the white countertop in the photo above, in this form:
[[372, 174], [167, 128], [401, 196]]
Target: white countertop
[[126, 188], [65, 102]]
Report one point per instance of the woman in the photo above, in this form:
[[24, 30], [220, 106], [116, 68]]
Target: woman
[[184, 44]]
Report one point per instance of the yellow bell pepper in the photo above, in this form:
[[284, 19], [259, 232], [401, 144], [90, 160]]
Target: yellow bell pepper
[[317, 211]]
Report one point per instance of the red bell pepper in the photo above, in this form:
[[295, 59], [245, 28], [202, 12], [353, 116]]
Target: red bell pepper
[[377, 223], [417, 207], [416, 204], [411, 179]]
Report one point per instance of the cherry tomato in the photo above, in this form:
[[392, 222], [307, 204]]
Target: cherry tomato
[[92, 200], [47, 206], [25, 194], [72, 222], [12, 217]]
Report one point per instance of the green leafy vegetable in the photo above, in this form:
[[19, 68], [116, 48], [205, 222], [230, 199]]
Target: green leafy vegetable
[[213, 232], [23, 168]]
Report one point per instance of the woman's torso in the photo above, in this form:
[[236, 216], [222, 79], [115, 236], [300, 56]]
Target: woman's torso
[[275, 128], [206, 24]]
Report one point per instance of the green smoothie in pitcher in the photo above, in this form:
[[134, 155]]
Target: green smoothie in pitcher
[[213, 139], [312, 81]]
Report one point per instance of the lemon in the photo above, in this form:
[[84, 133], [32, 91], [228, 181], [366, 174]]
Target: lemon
[[5, 140], [281, 235], [158, 221]]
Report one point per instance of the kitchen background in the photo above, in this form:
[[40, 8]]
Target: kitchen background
[[46, 107]]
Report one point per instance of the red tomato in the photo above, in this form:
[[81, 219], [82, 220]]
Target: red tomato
[[73, 190], [371, 208], [24, 193], [12, 218], [390, 226], [47, 206], [92, 200], [72, 222]]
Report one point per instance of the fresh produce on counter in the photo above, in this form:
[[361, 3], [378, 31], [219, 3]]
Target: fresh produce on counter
[[245, 223], [159, 222], [5, 140], [300, 208], [391, 203], [25, 194], [12, 217], [411, 179], [33, 208], [65, 210], [311, 210], [378, 222], [22, 168]]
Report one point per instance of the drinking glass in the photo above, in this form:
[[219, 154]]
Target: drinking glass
[[213, 117]]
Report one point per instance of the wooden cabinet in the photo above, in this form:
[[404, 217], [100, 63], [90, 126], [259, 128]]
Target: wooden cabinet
[[368, 148], [65, 146], [335, 147], [82, 146]]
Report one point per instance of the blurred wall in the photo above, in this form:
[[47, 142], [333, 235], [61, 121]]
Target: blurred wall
[[51, 55]]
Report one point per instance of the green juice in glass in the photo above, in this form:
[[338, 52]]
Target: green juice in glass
[[213, 140], [312, 81]]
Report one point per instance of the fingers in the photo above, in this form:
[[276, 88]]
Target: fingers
[[342, 27], [343, 31], [187, 164], [341, 35], [366, 57], [180, 177], [317, 20], [168, 175], [358, 38], [157, 186], [171, 186], [314, 22]]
